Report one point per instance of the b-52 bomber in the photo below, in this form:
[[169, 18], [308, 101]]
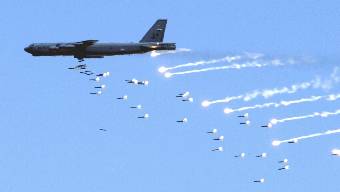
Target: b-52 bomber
[[152, 41]]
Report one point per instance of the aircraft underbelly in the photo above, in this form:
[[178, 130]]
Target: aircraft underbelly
[[114, 50]]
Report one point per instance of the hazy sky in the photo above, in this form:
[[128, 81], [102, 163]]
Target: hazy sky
[[50, 138]]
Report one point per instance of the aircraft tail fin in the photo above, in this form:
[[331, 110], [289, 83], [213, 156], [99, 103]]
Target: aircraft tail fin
[[156, 32]]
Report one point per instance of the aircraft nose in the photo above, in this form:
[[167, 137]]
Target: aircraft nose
[[28, 49]]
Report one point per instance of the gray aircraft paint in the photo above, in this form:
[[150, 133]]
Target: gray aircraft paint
[[152, 41]]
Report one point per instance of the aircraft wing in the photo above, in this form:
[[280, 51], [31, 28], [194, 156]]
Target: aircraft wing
[[85, 43], [81, 47]]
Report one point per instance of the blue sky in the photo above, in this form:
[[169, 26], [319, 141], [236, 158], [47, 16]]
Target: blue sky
[[50, 139]]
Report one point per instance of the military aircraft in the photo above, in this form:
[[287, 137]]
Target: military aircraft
[[152, 41]]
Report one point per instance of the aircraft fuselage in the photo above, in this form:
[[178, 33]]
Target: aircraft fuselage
[[97, 50], [151, 41]]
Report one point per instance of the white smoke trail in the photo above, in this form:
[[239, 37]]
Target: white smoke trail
[[265, 93], [158, 53], [331, 97], [316, 83], [296, 139], [237, 66], [294, 118], [254, 55], [202, 62]]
